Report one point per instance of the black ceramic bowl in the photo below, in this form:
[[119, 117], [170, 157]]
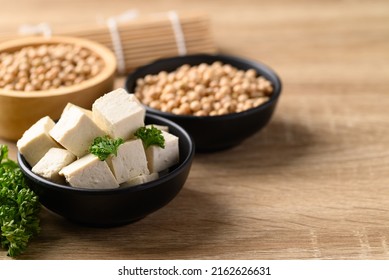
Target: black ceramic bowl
[[212, 133], [116, 206]]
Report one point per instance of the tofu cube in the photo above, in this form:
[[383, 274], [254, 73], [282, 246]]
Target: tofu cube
[[36, 141], [76, 130], [141, 179], [52, 162], [71, 105], [162, 158], [130, 161], [90, 173], [119, 114]]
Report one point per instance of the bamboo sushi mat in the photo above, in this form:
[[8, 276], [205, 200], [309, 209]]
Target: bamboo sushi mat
[[137, 39]]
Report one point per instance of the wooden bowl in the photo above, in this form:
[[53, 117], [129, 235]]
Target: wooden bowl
[[20, 109]]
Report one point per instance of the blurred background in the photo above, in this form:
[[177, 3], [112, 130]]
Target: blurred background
[[309, 42]]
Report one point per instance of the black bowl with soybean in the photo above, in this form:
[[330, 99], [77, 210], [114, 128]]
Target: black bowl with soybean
[[214, 133], [113, 207]]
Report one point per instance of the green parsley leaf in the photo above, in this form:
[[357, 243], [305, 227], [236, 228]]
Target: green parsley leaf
[[103, 147], [19, 207], [150, 136]]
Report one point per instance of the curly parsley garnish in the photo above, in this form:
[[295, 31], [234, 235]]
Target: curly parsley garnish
[[103, 147], [19, 207], [150, 136]]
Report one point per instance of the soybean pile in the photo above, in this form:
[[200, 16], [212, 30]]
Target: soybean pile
[[204, 90]]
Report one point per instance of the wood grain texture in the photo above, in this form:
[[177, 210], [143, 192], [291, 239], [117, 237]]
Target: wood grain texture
[[312, 185]]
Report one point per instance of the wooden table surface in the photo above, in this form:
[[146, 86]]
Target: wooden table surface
[[314, 184]]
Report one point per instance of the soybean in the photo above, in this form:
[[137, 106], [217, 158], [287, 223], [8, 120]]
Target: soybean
[[204, 90], [47, 67]]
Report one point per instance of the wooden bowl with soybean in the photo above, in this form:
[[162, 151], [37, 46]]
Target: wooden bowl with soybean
[[213, 126], [39, 76]]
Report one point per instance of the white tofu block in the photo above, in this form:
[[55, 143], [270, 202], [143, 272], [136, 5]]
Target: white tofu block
[[90, 173], [52, 162], [76, 130], [162, 158], [36, 141], [130, 161], [141, 179], [119, 114], [71, 105]]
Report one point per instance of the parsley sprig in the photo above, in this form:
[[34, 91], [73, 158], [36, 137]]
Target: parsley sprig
[[103, 147], [150, 136], [19, 207]]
